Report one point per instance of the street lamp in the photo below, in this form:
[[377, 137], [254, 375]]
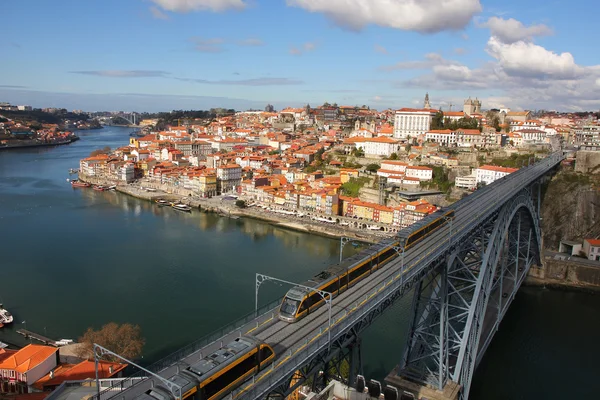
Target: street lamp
[[327, 297], [343, 242]]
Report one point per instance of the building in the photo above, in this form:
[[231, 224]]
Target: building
[[591, 249], [421, 173], [469, 138], [471, 107], [444, 137], [79, 372], [588, 135], [127, 172], [229, 177], [21, 369], [93, 166], [412, 122], [518, 115], [466, 182], [490, 173], [379, 146]]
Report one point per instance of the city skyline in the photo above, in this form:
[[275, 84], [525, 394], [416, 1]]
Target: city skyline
[[156, 55]]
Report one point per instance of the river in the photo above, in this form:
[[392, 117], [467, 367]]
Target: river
[[77, 258]]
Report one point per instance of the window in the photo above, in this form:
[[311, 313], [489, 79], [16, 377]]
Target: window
[[232, 374]]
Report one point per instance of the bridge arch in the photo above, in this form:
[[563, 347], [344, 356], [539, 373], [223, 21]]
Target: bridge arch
[[462, 302]]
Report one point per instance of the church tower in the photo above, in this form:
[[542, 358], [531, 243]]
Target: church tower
[[426, 104]]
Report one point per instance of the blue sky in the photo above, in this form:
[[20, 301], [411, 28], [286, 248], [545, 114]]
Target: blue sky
[[170, 54]]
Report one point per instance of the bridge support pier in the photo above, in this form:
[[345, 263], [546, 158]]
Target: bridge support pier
[[450, 391]]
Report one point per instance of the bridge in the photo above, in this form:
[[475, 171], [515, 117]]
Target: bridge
[[131, 118], [463, 277]]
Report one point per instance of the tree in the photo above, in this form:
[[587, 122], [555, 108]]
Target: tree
[[104, 150], [240, 203], [359, 152], [269, 108], [124, 339], [437, 122], [394, 156], [372, 167]]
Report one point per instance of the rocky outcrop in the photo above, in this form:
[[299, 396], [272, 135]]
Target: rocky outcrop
[[570, 207]]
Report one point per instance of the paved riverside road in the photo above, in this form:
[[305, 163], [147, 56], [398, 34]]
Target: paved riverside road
[[288, 339]]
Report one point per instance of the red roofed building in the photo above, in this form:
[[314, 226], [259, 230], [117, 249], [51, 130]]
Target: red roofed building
[[591, 248], [78, 372], [412, 122], [490, 173], [20, 369]]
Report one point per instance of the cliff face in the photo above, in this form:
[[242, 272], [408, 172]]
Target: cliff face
[[570, 207]]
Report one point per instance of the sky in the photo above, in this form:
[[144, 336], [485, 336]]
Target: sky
[[160, 55]]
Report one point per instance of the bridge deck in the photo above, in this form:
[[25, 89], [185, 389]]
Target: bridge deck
[[289, 340]]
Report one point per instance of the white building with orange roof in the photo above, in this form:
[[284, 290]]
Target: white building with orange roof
[[93, 166], [419, 172], [445, 137], [490, 173], [21, 369], [469, 138], [412, 122], [379, 146]]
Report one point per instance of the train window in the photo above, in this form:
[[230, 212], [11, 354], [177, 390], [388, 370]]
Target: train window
[[289, 306], [265, 352], [359, 271], [231, 374], [332, 287]]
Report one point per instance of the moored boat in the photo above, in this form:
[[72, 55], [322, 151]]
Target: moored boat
[[181, 207], [76, 183], [5, 316], [162, 202], [112, 187], [99, 188]]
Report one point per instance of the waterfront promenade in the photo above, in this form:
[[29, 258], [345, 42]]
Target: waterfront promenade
[[225, 206]]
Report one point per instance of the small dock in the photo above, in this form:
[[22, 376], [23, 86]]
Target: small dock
[[38, 337]]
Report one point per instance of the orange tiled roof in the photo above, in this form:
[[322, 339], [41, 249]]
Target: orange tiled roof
[[28, 358], [593, 242], [83, 370]]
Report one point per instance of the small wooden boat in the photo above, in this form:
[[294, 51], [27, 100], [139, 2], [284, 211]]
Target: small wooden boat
[[80, 184], [99, 188]]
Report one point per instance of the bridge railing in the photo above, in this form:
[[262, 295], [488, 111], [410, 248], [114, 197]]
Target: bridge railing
[[186, 351], [312, 346]]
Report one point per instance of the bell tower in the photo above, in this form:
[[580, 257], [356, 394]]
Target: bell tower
[[426, 104]]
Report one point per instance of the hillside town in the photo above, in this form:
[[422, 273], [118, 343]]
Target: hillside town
[[389, 168]]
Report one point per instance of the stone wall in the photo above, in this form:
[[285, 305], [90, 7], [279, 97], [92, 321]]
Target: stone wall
[[587, 161], [567, 271]]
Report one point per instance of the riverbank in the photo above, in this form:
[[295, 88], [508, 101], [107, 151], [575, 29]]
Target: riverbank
[[564, 272], [31, 144], [226, 207]]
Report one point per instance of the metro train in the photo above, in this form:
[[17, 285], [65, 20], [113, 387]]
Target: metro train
[[214, 376], [299, 302]]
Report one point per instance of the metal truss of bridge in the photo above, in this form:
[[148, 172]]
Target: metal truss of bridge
[[463, 275]]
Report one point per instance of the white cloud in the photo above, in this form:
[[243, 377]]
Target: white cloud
[[510, 30], [380, 49], [213, 45], [184, 6], [251, 42], [426, 16], [156, 13], [305, 48], [452, 72], [598, 81], [124, 73], [430, 61], [529, 60]]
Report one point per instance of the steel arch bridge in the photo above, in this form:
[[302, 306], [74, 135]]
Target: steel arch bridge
[[459, 305], [464, 277]]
